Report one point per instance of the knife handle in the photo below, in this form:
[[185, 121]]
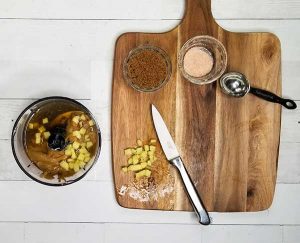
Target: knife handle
[[192, 192]]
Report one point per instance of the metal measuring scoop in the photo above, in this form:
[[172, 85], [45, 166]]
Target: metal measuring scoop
[[237, 85]]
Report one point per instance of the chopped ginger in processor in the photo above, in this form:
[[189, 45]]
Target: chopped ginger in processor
[[61, 143]]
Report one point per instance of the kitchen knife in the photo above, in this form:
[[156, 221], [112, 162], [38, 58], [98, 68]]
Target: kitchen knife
[[173, 157]]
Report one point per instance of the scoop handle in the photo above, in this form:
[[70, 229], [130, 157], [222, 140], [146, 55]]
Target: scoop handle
[[266, 95]]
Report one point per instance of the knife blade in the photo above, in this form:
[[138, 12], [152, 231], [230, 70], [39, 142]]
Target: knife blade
[[164, 135], [172, 154]]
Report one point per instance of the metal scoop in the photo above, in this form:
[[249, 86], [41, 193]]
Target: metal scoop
[[237, 85]]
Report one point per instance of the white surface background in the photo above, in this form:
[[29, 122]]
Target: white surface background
[[55, 47]]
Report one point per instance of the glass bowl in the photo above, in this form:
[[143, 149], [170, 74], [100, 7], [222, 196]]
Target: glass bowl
[[215, 48], [52, 118], [136, 51]]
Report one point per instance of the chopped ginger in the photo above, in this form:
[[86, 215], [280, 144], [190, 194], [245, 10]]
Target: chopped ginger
[[45, 120], [68, 152], [75, 119], [128, 152], [148, 173], [89, 145], [42, 129], [140, 158], [150, 153], [139, 150], [81, 164], [76, 167], [87, 138], [130, 161], [37, 138], [77, 153], [82, 131], [64, 165], [135, 159], [135, 167], [80, 157], [144, 154], [76, 145], [76, 134], [144, 165], [73, 154], [82, 117], [142, 173], [152, 148], [46, 135], [83, 150]]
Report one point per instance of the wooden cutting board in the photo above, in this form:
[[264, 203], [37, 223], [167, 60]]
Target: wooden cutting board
[[229, 145]]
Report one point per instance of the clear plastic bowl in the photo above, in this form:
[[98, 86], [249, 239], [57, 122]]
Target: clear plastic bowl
[[18, 140]]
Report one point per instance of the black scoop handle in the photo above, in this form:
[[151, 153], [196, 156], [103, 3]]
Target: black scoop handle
[[266, 95]]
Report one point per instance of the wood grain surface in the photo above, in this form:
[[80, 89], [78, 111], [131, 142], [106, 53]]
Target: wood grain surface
[[229, 145]]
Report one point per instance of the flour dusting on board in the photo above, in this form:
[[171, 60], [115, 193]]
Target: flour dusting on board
[[156, 187], [147, 190]]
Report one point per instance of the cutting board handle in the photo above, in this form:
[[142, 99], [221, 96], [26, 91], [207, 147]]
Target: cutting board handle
[[198, 10]]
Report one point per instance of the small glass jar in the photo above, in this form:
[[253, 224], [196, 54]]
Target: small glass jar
[[214, 48], [137, 51]]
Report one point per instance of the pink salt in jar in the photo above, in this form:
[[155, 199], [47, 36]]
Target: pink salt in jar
[[202, 60]]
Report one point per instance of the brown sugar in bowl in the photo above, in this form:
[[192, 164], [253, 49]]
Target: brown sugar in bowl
[[147, 68]]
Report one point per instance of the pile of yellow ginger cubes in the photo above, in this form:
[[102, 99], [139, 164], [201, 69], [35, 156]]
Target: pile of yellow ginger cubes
[[78, 152], [140, 158]]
